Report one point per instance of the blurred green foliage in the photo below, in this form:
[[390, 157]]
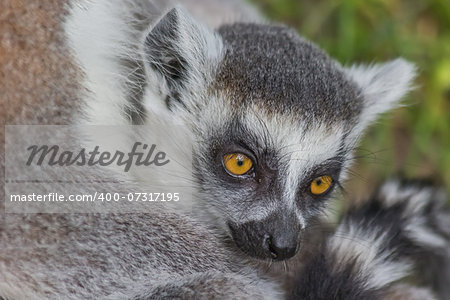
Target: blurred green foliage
[[413, 140]]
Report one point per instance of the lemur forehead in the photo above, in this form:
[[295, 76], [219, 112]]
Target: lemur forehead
[[272, 66]]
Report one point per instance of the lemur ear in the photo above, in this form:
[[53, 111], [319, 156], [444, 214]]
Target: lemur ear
[[180, 55], [382, 86]]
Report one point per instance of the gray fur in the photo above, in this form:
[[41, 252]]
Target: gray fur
[[297, 77]]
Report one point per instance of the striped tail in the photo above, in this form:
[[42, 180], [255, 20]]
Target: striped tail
[[403, 230]]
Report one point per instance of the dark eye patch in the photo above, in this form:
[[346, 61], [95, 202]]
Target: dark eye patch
[[331, 167]]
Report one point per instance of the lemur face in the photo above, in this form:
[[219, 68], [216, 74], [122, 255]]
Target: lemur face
[[271, 173], [274, 120]]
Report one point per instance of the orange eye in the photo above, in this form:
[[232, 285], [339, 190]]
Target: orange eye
[[321, 184], [237, 163]]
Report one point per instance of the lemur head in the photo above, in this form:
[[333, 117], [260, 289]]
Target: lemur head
[[275, 121]]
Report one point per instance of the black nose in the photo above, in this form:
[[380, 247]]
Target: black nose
[[280, 248], [276, 237]]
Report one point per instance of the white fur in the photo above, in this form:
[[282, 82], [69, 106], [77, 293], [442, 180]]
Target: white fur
[[416, 198], [99, 34], [375, 267], [382, 87], [200, 47]]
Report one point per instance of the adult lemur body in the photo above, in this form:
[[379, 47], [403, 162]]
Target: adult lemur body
[[253, 90]]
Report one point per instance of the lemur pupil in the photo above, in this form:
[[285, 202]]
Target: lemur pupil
[[319, 182], [240, 163]]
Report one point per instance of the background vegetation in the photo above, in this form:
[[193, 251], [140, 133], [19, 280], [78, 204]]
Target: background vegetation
[[412, 140]]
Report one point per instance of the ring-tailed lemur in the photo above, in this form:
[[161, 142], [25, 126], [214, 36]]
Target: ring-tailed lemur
[[272, 122]]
